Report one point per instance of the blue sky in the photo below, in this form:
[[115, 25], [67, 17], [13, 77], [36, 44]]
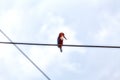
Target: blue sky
[[93, 22]]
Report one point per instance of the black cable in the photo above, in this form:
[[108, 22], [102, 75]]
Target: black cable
[[39, 44], [25, 55]]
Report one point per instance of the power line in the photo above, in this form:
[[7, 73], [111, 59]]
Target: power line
[[68, 45], [24, 55]]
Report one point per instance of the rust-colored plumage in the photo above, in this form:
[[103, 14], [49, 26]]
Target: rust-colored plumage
[[60, 40]]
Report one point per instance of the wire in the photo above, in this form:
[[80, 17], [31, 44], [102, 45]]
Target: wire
[[25, 55], [39, 44]]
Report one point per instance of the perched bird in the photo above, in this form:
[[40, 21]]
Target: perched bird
[[60, 38]]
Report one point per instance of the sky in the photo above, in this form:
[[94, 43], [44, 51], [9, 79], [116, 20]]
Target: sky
[[84, 22]]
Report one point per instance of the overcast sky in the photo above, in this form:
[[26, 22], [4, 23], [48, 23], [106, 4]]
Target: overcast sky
[[88, 22]]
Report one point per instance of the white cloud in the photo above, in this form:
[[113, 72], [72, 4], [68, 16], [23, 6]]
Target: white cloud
[[6, 54], [11, 18], [55, 25], [73, 67], [10, 22], [45, 12], [109, 28], [45, 56], [41, 56], [102, 35], [116, 75]]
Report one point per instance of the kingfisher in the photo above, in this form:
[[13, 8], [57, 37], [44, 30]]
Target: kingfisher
[[60, 38]]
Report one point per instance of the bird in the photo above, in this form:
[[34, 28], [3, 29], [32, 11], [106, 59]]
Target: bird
[[60, 38]]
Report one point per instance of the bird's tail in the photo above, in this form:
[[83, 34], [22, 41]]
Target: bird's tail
[[60, 49]]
